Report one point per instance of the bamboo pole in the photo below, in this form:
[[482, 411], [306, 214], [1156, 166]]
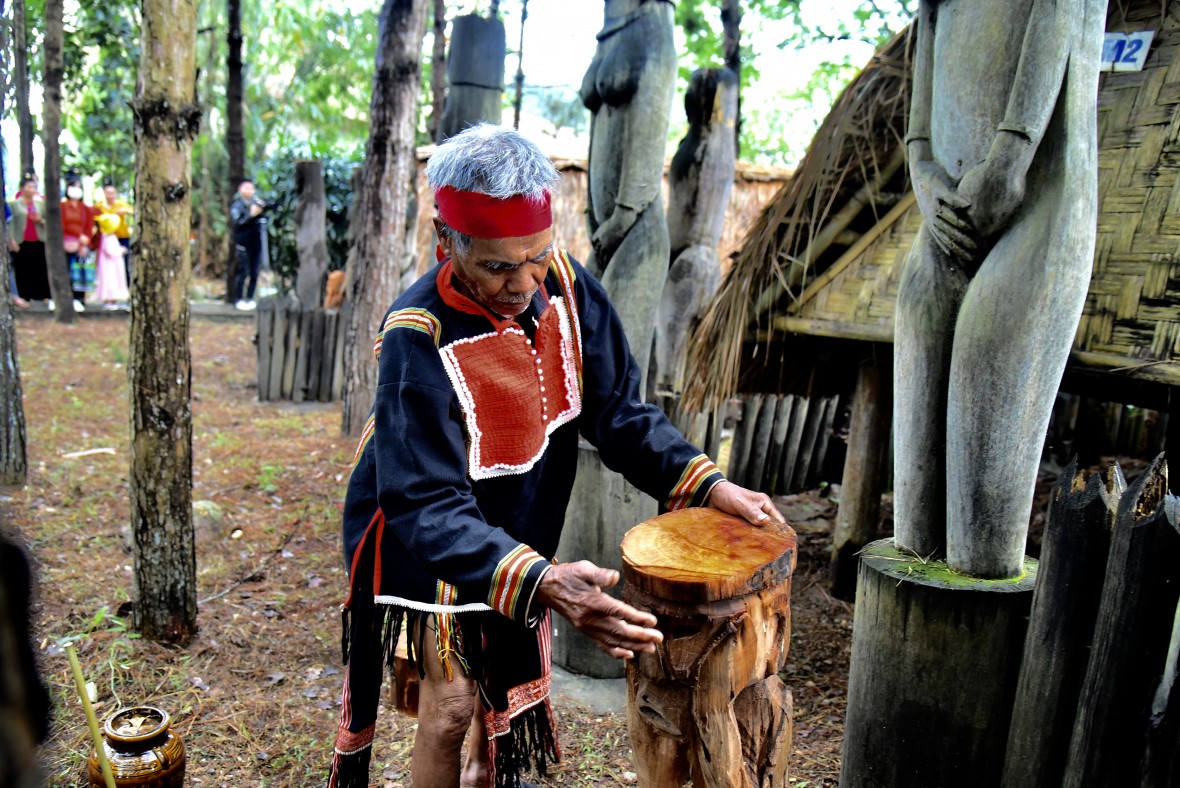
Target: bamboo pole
[[91, 719]]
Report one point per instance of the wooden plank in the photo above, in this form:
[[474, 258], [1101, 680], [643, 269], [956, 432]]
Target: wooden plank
[[1074, 552], [778, 443], [1131, 637], [265, 323], [342, 329], [329, 353], [760, 444], [314, 355], [739, 453], [794, 439], [807, 445], [882, 332], [1166, 372], [299, 388], [816, 471], [278, 351], [291, 352]]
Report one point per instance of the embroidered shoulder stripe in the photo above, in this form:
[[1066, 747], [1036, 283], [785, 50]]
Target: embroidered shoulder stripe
[[695, 473], [366, 436], [416, 319], [566, 275], [509, 578]]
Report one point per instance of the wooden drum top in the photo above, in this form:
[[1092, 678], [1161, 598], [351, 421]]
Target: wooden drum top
[[703, 555]]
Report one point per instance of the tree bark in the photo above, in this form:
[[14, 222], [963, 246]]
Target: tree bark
[[20, 68], [310, 236], [167, 118], [382, 202], [731, 24], [438, 69], [235, 139], [55, 253], [13, 456]]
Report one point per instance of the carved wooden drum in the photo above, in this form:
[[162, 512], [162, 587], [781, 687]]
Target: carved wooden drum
[[708, 705]]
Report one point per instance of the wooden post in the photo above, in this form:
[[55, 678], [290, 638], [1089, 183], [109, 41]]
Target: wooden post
[[278, 338], [794, 439], [342, 323], [314, 355], [328, 359], [864, 472], [760, 444], [475, 71], [1065, 604], [935, 657], [1131, 637], [815, 418], [815, 472], [265, 324], [291, 352], [311, 243]]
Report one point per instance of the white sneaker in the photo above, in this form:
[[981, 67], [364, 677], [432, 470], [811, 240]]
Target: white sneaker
[[243, 305], [251, 304], [110, 307], [79, 306], [51, 305]]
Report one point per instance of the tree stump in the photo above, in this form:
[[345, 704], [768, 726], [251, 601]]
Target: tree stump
[[935, 658], [708, 705]]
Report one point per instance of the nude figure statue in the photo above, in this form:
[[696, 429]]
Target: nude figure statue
[[1002, 155], [629, 89]]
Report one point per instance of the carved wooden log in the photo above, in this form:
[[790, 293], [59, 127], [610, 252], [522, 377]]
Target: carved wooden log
[[311, 244], [475, 70], [935, 658], [1064, 607], [864, 474], [708, 705], [1131, 638]]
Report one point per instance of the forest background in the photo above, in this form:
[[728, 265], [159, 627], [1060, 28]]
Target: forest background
[[308, 68]]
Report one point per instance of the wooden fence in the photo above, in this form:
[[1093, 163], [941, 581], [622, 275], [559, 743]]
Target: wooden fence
[[300, 351], [782, 443], [1092, 429]]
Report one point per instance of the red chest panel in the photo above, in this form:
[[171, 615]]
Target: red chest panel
[[514, 394]]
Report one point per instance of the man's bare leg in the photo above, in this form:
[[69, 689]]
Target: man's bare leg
[[444, 714], [475, 768]]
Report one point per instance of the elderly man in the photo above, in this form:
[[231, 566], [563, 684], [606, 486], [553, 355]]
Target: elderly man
[[490, 367]]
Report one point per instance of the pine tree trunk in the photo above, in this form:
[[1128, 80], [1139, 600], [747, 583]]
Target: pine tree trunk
[[438, 68], [13, 457], [167, 118], [378, 219], [235, 138], [20, 68], [55, 253]]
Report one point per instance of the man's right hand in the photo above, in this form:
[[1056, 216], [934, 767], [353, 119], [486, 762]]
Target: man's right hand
[[13, 245], [575, 591]]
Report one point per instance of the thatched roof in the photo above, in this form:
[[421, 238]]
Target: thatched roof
[[1130, 326], [856, 155]]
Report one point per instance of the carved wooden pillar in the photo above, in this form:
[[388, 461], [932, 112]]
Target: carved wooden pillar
[[475, 71]]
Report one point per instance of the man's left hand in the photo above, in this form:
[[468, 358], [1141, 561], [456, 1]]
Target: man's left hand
[[755, 507]]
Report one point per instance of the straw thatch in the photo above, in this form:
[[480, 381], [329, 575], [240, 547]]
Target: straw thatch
[[1130, 326], [753, 187], [852, 161]]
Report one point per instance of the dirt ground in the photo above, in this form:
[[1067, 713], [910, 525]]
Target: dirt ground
[[256, 695]]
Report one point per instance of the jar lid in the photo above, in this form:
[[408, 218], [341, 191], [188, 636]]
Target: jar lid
[[136, 723]]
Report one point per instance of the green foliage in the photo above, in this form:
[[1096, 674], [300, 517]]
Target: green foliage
[[275, 181]]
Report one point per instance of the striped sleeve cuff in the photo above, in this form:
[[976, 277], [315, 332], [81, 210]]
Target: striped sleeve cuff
[[699, 478], [515, 582]]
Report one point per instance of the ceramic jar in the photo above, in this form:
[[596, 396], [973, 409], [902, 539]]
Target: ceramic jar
[[142, 748]]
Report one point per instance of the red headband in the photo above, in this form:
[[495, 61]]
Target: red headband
[[481, 216]]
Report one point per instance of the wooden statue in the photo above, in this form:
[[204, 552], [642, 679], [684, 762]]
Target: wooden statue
[[700, 180], [629, 89], [475, 71], [708, 705], [1002, 155]]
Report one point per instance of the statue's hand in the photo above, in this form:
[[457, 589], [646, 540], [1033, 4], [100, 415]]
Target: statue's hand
[[610, 234], [945, 211], [995, 191]]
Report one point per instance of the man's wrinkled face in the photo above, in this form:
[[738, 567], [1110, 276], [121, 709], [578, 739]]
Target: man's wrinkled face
[[502, 274]]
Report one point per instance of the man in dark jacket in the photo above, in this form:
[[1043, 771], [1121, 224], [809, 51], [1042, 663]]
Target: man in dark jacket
[[249, 225]]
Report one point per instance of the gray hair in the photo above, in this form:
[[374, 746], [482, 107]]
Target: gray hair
[[492, 160]]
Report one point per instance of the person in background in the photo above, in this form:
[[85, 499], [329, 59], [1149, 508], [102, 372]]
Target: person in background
[[123, 210], [111, 280], [249, 225], [26, 233], [77, 224]]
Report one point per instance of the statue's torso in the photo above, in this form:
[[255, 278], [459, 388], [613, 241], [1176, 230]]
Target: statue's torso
[[977, 46]]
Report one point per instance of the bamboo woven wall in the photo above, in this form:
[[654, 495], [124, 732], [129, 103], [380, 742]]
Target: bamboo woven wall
[[1131, 320]]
